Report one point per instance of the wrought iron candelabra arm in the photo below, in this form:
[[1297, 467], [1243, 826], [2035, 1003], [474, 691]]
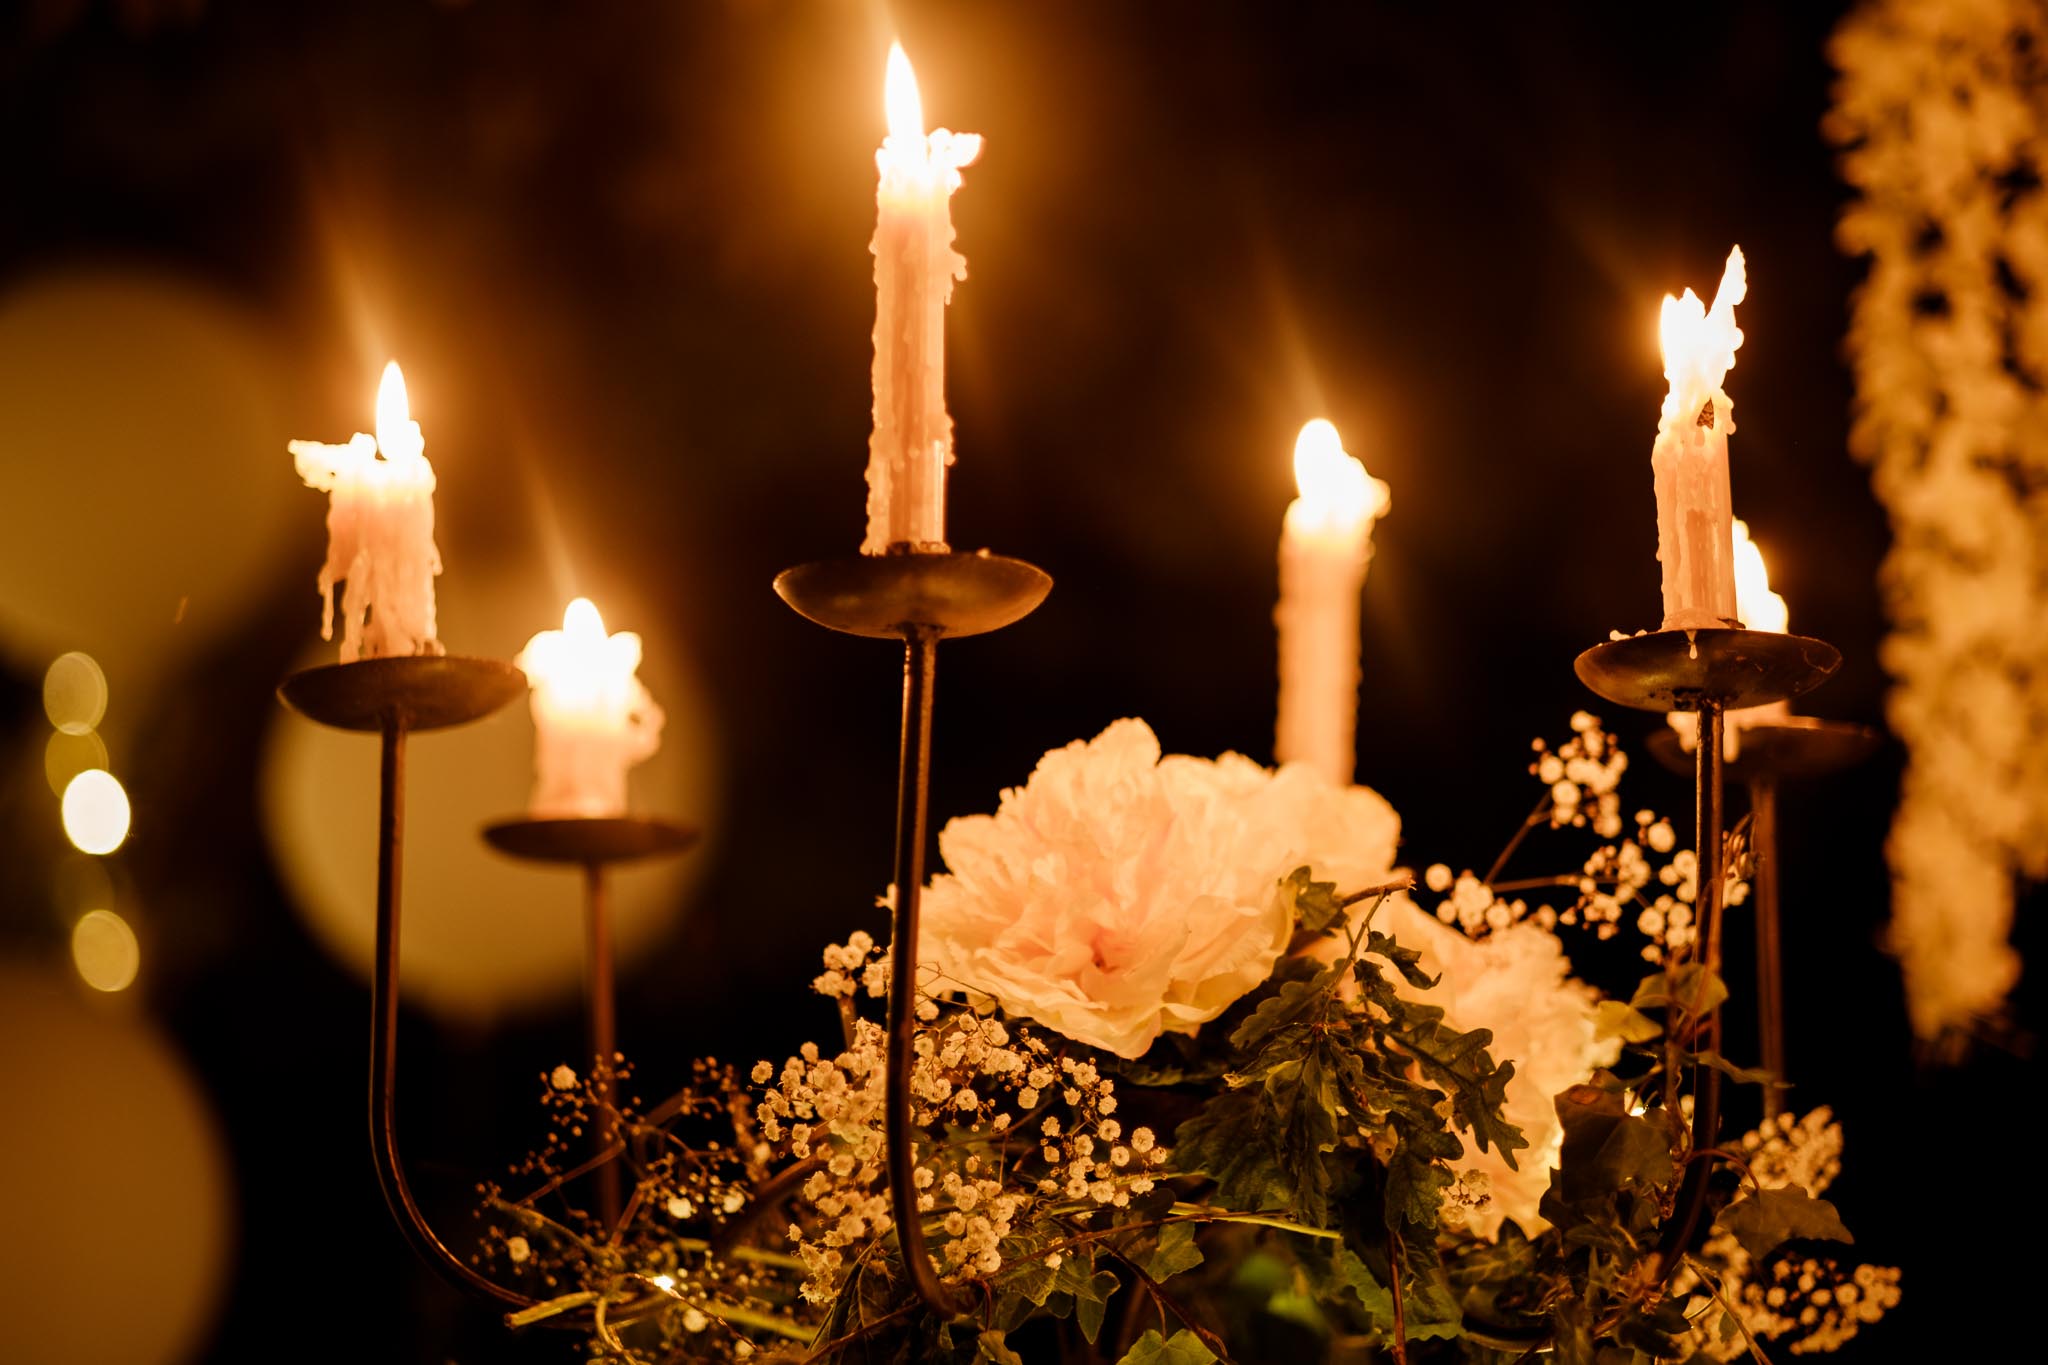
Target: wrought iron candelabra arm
[[918, 598], [394, 697], [1708, 671]]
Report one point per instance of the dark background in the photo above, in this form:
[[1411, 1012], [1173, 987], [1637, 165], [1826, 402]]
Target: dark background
[[634, 236]]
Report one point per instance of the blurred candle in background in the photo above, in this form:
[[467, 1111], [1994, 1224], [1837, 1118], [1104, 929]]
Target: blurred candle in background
[[1325, 544], [380, 531], [592, 717], [1761, 609], [915, 267], [1690, 459]]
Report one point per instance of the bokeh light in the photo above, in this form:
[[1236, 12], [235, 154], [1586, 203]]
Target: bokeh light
[[119, 1196], [66, 756], [75, 693], [95, 811], [104, 950]]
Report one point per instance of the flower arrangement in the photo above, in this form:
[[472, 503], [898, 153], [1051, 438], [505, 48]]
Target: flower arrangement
[[1200, 1075]]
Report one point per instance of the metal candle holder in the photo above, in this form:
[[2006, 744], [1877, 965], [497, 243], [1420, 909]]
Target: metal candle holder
[[918, 598], [393, 698], [1709, 671], [594, 843], [1770, 752]]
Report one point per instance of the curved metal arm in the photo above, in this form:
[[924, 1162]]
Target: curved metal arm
[[913, 780], [384, 1035]]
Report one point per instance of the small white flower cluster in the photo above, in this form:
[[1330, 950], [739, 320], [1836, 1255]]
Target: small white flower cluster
[[1011, 1124], [1793, 1153], [853, 966], [1809, 1302], [1582, 774], [1582, 777]]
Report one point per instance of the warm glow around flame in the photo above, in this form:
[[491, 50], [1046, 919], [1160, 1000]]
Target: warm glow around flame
[[398, 435], [1336, 492], [1759, 607], [900, 97], [1699, 342]]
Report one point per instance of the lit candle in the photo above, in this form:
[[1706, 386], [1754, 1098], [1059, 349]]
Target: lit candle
[[592, 717], [1761, 609], [1325, 545], [380, 531], [1690, 460], [915, 267]]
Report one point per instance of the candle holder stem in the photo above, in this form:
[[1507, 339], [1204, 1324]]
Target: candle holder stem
[[1770, 977], [913, 786], [1706, 1116], [603, 1033], [405, 1210]]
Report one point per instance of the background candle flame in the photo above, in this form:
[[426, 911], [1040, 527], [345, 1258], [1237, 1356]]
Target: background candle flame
[[1335, 489], [901, 100], [1759, 607]]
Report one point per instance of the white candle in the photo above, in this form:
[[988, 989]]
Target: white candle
[[380, 531], [592, 717], [915, 267], [1690, 460], [1761, 609], [1325, 545]]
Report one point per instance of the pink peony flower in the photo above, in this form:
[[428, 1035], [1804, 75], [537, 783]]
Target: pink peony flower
[[1118, 895]]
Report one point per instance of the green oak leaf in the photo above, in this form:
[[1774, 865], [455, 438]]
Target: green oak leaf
[[1761, 1220], [1284, 1007], [1182, 1348], [1312, 904]]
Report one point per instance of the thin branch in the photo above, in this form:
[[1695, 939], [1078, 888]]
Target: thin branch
[[1173, 1305], [1540, 815]]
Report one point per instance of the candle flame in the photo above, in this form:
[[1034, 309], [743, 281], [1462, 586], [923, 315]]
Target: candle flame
[[1759, 607], [581, 622], [580, 662], [1700, 342], [900, 98], [398, 436], [1335, 489]]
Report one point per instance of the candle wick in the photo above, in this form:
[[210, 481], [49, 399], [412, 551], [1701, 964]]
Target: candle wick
[[1707, 415]]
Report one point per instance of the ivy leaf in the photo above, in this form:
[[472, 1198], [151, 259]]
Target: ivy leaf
[[1764, 1219], [990, 1346], [1606, 1148], [1692, 989], [1176, 1251], [1612, 1019], [1182, 1348], [1312, 904], [1742, 1075], [1091, 1301]]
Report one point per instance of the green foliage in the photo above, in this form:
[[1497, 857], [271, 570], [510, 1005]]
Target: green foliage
[[1763, 1220], [1334, 1116], [1182, 1348], [1689, 989], [1314, 905]]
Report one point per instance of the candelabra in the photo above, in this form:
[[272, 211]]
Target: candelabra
[[918, 597], [1768, 753], [1711, 672], [395, 698], [594, 844]]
